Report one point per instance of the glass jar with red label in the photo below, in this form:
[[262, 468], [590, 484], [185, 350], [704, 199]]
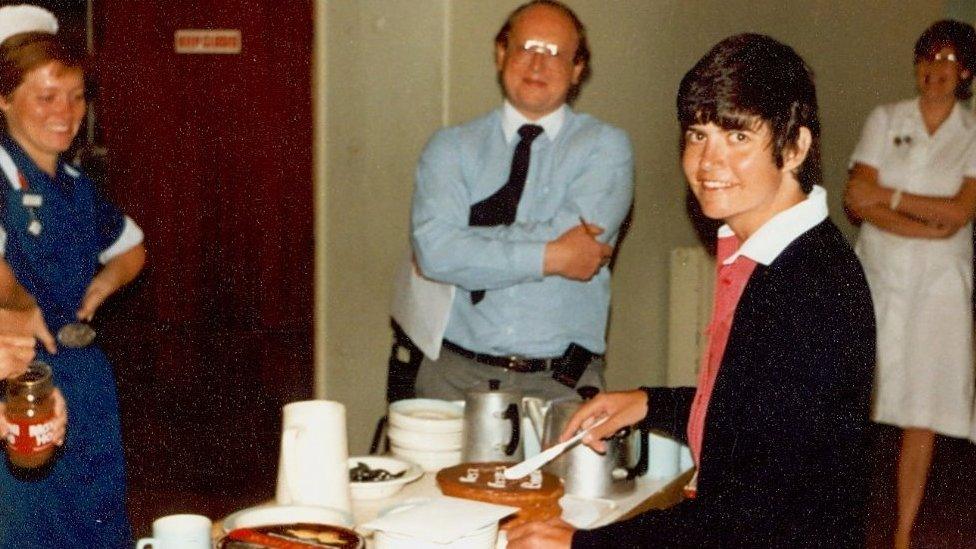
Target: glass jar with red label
[[30, 409]]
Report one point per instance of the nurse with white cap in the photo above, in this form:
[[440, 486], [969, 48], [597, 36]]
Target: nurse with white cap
[[65, 249]]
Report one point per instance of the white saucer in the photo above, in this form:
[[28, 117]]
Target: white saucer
[[267, 515]]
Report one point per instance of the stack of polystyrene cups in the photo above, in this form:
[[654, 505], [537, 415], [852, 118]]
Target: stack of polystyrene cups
[[427, 432]]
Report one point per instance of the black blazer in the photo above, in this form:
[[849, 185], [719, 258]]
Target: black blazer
[[786, 441]]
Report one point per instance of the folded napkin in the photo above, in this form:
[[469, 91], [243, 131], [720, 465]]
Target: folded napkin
[[441, 519]]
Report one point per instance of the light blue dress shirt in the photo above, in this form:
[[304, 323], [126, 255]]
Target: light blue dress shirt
[[580, 167]]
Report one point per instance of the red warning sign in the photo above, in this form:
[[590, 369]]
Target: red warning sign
[[226, 41]]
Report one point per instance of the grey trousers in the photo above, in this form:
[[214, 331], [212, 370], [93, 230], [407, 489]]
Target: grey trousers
[[452, 375]]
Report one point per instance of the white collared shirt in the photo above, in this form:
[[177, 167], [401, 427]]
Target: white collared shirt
[[512, 120], [765, 245]]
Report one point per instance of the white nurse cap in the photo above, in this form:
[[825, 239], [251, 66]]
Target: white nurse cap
[[26, 18]]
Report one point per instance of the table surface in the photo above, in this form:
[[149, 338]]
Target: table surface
[[649, 493]]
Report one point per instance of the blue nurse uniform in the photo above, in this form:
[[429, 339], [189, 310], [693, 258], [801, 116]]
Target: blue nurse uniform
[[80, 500]]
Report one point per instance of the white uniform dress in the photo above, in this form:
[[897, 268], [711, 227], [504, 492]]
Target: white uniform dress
[[922, 288]]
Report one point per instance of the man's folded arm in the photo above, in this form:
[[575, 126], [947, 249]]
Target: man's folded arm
[[449, 250]]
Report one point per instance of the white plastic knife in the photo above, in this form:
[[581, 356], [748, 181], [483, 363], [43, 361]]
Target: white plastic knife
[[520, 470]]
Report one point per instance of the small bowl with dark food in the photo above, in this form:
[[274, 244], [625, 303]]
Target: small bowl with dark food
[[375, 477]]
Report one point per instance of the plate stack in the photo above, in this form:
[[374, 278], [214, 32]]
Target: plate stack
[[427, 432]]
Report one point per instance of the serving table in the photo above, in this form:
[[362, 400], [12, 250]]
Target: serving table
[[649, 493]]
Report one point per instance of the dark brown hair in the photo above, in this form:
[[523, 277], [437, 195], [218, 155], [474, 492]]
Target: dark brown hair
[[959, 36], [26, 51], [749, 79]]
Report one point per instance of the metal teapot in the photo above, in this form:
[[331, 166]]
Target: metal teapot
[[492, 424], [585, 472]]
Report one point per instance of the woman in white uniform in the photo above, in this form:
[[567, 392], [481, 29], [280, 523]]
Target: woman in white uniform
[[913, 183]]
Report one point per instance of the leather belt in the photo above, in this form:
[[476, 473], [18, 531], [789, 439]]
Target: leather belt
[[515, 363]]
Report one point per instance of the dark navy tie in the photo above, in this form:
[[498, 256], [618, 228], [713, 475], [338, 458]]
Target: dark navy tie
[[501, 207]]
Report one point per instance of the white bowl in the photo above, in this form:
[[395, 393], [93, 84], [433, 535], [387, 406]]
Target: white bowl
[[427, 415], [383, 488], [417, 440], [267, 515], [428, 461]]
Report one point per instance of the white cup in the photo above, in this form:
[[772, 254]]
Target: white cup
[[312, 469], [664, 456], [686, 461], [179, 532]]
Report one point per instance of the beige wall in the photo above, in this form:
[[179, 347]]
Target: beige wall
[[389, 72]]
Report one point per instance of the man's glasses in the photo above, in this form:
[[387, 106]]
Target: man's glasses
[[538, 46], [548, 51], [941, 57]]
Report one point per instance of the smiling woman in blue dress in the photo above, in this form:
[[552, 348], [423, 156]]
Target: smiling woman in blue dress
[[913, 183], [65, 250]]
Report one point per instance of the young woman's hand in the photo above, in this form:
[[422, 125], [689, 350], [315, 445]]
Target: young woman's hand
[[552, 534], [622, 408]]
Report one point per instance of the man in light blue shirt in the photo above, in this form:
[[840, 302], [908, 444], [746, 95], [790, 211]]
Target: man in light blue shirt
[[533, 288]]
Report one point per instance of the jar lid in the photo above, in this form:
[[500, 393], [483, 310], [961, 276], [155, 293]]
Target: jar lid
[[36, 379]]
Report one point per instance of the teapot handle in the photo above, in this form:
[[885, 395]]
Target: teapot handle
[[641, 466], [512, 414]]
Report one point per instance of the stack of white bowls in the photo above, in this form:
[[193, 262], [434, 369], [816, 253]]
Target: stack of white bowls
[[427, 432]]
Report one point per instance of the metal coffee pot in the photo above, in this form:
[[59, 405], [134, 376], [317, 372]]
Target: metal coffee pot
[[492, 424], [585, 472]]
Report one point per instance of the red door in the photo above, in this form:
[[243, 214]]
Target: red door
[[211, 155]]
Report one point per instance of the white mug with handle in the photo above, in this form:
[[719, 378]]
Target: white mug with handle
[[179, 532], [312, 468]]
